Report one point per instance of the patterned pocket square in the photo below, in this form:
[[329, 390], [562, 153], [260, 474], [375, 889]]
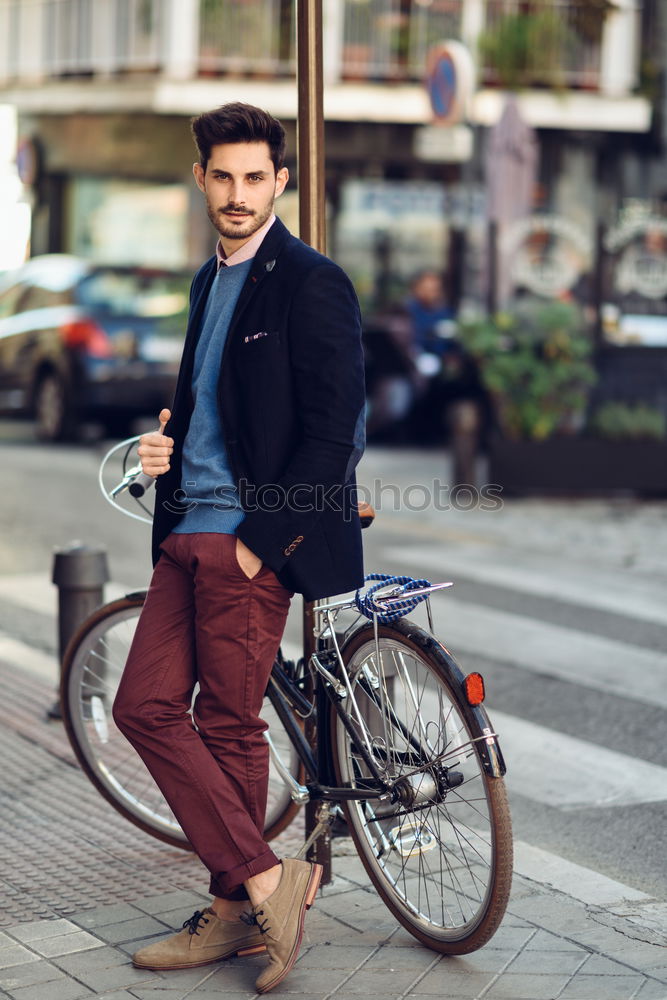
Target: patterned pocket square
[[255, 336]]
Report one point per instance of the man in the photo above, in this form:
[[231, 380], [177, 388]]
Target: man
[[431, 316], [255, 478]]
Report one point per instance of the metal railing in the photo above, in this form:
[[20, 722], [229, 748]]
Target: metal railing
[[247, 36], [140, 31], [563, 39], [55, 38], [377, 39], [68, 37], [382, 40]]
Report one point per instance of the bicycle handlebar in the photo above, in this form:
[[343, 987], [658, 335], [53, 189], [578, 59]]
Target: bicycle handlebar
[[138, 486], [135, 481]]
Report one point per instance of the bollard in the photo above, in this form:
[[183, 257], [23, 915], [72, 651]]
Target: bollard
[[464, 423], [79, 572]]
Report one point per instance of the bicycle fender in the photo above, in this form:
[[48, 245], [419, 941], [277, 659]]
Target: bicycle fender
[[486, 739], [475, 715]]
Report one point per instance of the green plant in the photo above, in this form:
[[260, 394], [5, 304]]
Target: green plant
[[525, 48], [623, 420], [536, 365]]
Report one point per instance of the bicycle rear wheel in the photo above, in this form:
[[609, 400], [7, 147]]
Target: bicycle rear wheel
[[440, 851], [92, 668]]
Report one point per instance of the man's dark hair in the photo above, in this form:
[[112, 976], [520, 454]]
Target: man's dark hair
[[238, 123]]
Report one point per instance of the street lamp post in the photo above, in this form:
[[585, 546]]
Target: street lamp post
[[310, 154]]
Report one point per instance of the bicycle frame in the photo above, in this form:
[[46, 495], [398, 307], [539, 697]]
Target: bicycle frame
[[330, 683]]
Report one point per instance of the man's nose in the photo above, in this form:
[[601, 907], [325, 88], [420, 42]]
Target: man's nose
[[237, 193]]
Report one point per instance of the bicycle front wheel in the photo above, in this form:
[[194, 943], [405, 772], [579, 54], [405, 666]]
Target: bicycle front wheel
[[439, 848], [92, 668]]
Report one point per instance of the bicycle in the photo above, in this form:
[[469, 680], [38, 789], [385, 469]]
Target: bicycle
[[405, 750]]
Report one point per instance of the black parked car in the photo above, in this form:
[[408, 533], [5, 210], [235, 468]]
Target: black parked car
[[83, 341]]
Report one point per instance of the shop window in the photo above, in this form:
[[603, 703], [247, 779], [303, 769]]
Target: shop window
[[128, 222]]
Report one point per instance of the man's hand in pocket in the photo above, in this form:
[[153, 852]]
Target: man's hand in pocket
[[247, 560]]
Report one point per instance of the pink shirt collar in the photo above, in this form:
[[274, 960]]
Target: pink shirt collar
[[247, 251]]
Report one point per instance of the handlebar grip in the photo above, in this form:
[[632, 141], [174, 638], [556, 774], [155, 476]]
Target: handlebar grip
[[138, 486]]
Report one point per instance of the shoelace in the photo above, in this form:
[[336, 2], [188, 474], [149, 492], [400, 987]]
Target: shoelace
[[195, 922], [251, 918]]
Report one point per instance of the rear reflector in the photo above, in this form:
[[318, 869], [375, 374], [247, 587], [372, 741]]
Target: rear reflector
[[473, 686]]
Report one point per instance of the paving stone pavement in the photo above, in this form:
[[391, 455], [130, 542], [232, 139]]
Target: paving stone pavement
[[81, 889]]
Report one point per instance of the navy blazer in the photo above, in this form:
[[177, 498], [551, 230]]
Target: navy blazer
[[292, 403]]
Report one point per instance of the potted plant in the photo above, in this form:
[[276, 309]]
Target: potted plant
[[537, 366], [525, 49]]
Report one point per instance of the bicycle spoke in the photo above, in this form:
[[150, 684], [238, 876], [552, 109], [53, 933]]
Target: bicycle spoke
[[433, 850]]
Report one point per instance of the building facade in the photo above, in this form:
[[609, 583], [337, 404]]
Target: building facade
[[104, 91]]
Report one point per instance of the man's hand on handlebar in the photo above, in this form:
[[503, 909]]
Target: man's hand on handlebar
[[155, 449]]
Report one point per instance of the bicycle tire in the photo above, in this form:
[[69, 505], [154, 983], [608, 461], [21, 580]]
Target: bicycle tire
[[92, 667], [440, 857]]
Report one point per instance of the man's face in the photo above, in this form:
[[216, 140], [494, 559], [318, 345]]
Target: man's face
[[240, 185], [428, 289]]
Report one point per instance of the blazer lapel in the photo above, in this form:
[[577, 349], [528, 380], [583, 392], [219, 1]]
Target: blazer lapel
[[262, 265]]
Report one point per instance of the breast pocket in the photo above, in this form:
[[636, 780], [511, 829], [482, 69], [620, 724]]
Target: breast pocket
[[262, 338]]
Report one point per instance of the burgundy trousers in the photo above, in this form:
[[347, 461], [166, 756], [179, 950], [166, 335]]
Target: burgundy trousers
[[205, 621]]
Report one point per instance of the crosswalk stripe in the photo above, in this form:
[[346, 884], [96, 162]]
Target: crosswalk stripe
[[607, 665], [584, 884], [570, 582], [36, 592], [569, 773], [25, 657]]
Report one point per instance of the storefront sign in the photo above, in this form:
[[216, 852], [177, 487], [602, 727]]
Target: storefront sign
[[385, 202], [443, 143], [549, 254]]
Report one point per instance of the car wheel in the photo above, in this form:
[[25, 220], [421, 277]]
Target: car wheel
[[53, 416]]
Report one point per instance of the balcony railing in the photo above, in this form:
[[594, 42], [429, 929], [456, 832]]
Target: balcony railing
[[56, 38], [381, 40], [247, 36], [542, 43]]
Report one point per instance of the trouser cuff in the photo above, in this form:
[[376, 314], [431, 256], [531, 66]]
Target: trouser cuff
[[229, 885]]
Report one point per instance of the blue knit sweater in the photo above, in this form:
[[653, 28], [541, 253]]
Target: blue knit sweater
[[206, 476]]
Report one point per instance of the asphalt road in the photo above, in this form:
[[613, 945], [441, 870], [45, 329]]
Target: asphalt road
[[557, 603]]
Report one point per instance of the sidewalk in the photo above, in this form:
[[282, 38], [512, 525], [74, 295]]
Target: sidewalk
[[81, 890]]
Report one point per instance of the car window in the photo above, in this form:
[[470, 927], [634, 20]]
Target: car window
[[10, 300], [148, 294]]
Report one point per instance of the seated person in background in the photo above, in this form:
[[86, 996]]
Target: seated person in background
[[431, 315], [411, 354]]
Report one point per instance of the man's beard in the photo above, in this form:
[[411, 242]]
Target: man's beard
[[230, 231]]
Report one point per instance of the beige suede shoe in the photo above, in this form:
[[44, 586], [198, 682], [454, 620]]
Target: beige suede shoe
[[205, 938], [280, 919]]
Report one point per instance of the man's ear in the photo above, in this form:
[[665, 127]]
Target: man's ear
[[282, 178], [199, 175]]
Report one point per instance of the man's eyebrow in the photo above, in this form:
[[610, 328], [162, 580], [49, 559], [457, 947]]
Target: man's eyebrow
[[249, 173]]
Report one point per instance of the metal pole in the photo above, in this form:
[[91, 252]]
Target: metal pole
[[310, 154], [310, 127]]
